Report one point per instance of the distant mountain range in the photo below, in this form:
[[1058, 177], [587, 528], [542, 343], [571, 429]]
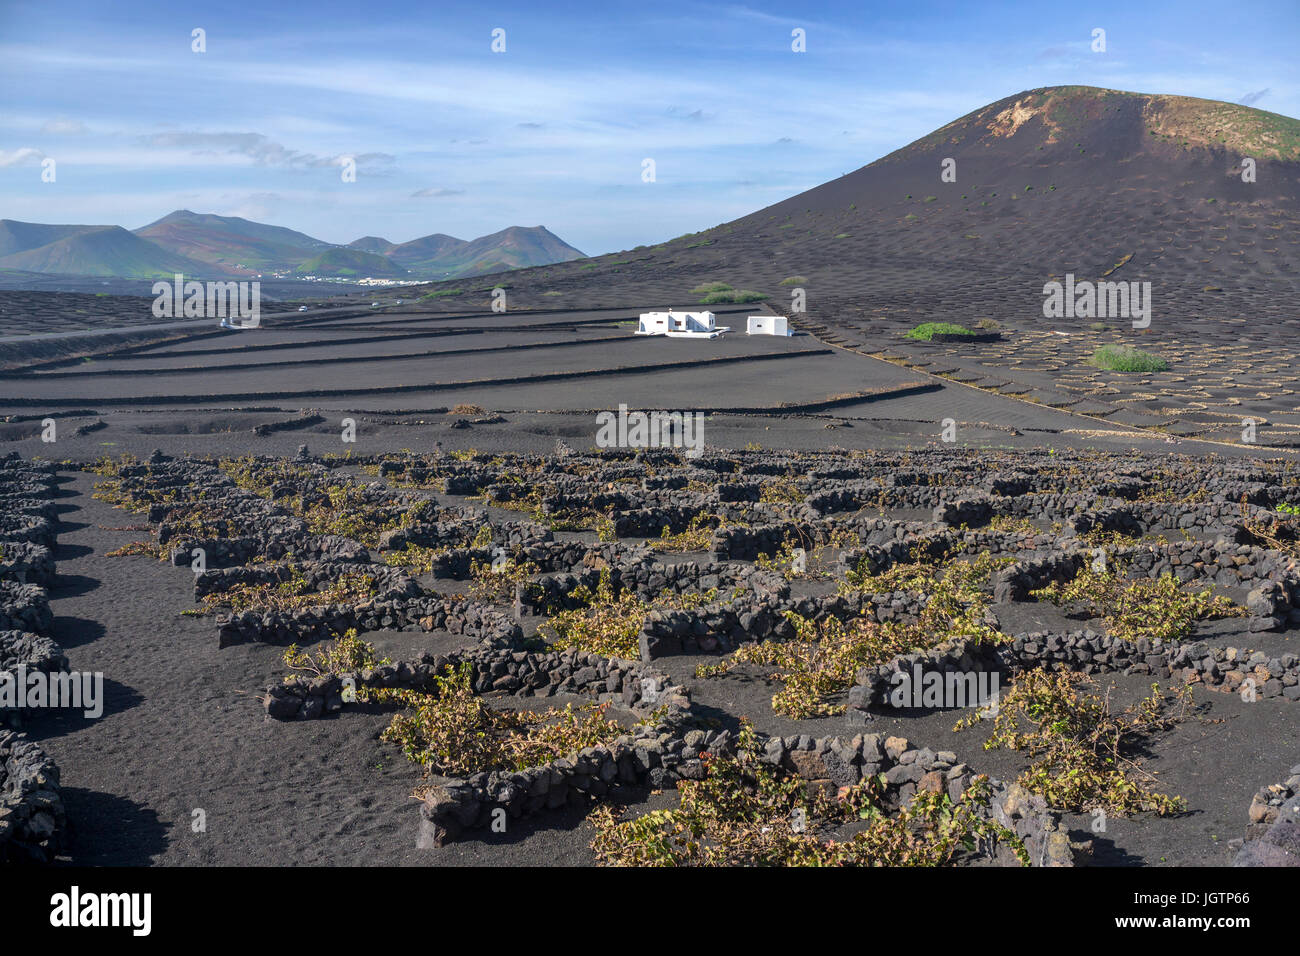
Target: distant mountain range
[[513, 248], [205, 245]]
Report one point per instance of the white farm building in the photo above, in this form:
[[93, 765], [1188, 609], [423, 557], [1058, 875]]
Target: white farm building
[[767, 325], [690, 325]]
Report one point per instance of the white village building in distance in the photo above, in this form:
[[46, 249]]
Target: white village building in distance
[[767, 325], [686, 325]]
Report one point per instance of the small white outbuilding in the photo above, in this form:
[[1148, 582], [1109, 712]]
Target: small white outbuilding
[[702, 325], [767, 325]]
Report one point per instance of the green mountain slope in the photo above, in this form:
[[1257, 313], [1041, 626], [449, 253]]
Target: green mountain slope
[[104, 251], [233, 245], [342, 262]]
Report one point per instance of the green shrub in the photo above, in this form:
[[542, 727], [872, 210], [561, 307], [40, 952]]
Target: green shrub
[[734, 295], [454, 730], [705, 288], [795, 280], [744, 812], [1083, 751], [1125, 358], [928, 330]]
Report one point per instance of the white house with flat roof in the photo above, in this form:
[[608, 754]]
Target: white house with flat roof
[[767, 325], [689, 325]]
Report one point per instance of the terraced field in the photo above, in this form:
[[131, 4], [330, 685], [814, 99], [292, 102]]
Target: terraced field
[[572, 657]]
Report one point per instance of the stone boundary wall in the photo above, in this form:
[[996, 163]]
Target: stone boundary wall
[[16, 526], [233, 552], [719, 626], [28, 532], [1273, 835], [34, 652], [33, 822], [650, 757], [972, 511], [1154, 517], [234, 526], [24, 607], [223, 492], [391, 582], [651, 522], [761, 616], [1273, 600], [1015, 582], [648, 579], [751, 543], [26, 563], [454, 533], [1223, 669], [1225, 563], [31, 506], [550, 556], [848, 495], [495, 670], [328, 621], [1269, 576]]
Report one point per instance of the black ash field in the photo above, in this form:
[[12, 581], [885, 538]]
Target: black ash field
[[471, 636]]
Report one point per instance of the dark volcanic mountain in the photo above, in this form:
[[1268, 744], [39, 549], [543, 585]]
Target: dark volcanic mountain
[[1048, 182]]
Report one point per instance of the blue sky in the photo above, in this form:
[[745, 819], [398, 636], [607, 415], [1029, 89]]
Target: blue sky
[[451, 137]]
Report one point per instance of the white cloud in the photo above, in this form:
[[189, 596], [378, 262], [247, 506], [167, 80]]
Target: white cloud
[[257, 147], [20, 157]]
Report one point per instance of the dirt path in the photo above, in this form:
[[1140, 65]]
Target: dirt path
[[179, 732]]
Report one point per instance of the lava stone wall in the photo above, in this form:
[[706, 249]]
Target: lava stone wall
[[495, 670], [390, 582], [33, 822], [324, 622]]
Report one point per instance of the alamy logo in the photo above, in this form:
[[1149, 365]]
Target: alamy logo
[[74, 909], [237, 304], [77, 690], [1098, 300], [951, 689], [651, 430]]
